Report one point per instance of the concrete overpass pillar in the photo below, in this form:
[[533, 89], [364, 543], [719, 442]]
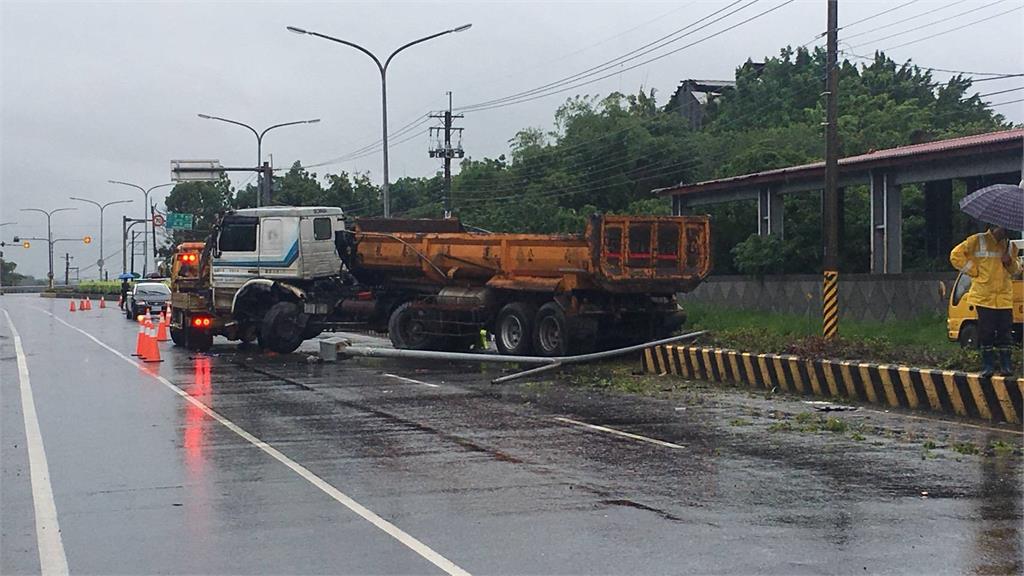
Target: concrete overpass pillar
[[769, 212], [886, 225], [938, 218]]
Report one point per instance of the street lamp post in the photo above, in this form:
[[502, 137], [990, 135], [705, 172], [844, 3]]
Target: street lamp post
[[101, 263], [49, 236], [2, 224], [383, 88], [146, 216], [259, 146]]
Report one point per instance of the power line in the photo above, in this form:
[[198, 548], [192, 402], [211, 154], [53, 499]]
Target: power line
[[907, 19], [962, 26], [656, 44], [875, 15], [619, 71], [995, 75], [930, 24], [1019, 88], [1005, 103]]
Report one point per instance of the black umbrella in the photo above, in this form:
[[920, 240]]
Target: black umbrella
[[1000, 204]]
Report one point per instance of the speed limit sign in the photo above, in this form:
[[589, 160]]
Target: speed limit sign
[[158, 220]]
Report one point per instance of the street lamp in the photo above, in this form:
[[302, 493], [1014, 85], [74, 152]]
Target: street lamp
[[383, 88], [259, 145], [49, 236], [146, 216], [102, 207], [2, 224]]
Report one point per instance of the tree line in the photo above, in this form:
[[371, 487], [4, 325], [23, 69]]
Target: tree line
[[608, 153]]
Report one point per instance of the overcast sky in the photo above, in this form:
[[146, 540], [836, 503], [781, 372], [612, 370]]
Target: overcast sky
[[99, 91]]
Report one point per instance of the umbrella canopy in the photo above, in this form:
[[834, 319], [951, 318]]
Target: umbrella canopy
[[127, 276], [999, 204]]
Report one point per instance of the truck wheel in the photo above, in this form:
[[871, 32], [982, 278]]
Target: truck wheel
[[178, 337], [968, 337], [408, 329], [550, 337], [513, 330], [283, 327]]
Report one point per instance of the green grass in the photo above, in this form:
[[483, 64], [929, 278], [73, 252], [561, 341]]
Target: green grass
[[919, 342]]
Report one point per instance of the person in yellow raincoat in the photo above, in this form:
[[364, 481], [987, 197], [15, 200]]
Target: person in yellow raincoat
[[987, 259]]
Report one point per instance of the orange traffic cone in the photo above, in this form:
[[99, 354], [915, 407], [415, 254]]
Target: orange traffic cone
[[140, 340], [88, 303], [152, 349], [161, 333], [103, 302], [72, 308]]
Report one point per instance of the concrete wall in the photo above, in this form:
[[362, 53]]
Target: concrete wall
[[867, 297]]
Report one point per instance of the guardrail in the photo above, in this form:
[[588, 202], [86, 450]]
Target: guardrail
[[960, 393], [22, 289]]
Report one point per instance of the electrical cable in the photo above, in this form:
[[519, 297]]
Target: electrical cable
[[961, 27], [929, 25]]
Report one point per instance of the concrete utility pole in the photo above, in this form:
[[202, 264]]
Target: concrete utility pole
[[446, 151], [830, 286]]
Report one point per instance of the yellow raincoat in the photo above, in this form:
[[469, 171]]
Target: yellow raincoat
[[980, 257]]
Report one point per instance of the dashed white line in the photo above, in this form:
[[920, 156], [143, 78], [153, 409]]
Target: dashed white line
[[411, 380], [52, 559], [620, 433], [394, 531]]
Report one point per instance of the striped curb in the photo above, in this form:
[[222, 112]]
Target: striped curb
[[997, 399]]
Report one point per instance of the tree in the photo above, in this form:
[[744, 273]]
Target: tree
[[204, 200]]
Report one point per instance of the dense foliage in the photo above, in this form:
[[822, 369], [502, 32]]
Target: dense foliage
[[608, 154]]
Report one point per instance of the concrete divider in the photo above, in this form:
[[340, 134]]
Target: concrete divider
[[997, 399]]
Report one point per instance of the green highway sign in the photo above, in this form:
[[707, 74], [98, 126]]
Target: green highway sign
[[179, 221]]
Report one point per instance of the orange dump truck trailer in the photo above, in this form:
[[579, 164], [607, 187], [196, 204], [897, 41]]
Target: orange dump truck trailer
[[439, 285]]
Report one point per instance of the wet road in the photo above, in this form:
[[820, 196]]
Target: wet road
[[235, 462]]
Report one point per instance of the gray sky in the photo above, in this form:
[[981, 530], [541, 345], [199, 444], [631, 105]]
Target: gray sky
[[99, 91]]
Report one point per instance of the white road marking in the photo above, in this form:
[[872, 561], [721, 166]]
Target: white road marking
[[414, 381], [395, 532], [52, 559], [620, 433]]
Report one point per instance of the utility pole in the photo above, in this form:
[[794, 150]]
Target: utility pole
[[830, 286], [67, 268], [443, 149]]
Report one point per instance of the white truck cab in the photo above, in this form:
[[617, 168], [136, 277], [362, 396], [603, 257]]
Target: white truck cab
[[277, 243]]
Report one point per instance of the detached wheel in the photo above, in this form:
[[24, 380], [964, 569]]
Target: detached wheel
[[968, 337], [283, 328], [550, 336], [513, 329], [409, 327]]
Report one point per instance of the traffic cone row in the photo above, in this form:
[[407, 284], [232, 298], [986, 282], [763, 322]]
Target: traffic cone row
[[146, 347], [161, 333], [72, 307]]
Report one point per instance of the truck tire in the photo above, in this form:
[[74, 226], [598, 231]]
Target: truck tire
[[513, 329], [407, 329], [177, 336], [968, 336], [283, 328], [550, 334]]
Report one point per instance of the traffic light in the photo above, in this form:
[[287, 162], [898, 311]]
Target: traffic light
[[26, 244], [87, 239]]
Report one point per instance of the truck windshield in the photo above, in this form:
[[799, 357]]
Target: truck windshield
[[238, 237]]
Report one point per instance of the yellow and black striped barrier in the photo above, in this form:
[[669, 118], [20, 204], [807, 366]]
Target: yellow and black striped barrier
[[830, 304], [962, 393]]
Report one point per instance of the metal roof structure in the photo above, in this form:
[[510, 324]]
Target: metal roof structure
[[995, 152]]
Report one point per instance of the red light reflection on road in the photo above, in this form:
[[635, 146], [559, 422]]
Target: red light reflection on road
[[196, 421]]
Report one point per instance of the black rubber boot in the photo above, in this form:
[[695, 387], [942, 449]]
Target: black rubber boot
[[988, 362], [1005, 363]]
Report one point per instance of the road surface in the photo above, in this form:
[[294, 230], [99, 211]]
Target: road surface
[[239, 462]]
